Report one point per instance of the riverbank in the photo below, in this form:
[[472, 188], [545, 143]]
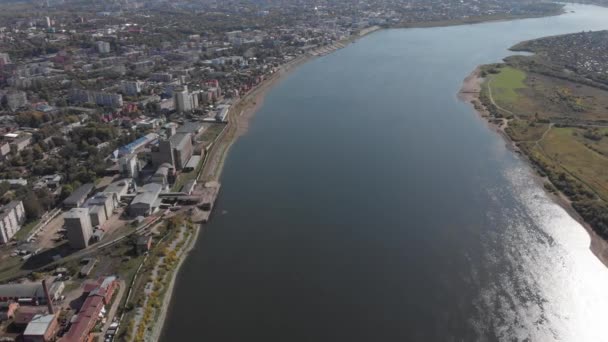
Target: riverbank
[[244, 109], [158, 328], [470, 92], [238, 123]]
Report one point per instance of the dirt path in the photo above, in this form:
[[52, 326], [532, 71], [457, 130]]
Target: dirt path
[[494, 102]]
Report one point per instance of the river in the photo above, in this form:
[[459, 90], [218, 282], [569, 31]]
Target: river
[[367, 203]]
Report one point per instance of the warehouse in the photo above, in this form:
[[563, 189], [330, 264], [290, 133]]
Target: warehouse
[[78, 196], [147, 201]]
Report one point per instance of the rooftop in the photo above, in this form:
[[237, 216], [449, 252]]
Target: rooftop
[[79, 194], [39, 325]]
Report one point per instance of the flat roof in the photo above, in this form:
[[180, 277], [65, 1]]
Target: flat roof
[[193, 162], [76, 213]]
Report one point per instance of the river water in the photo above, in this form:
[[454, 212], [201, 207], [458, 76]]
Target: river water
[[366, 203]]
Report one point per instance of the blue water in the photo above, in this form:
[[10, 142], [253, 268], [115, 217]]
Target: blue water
[[367, 203]]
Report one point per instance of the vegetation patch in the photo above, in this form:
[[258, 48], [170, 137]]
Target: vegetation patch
[[505, 85]]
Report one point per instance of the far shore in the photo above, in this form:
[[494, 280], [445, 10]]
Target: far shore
[[469, 92]]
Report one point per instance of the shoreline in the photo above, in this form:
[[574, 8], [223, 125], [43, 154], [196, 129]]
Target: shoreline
[[246, 107], [469, 93], [166, 303]]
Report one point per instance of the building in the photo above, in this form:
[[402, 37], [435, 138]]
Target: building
[[22, 141], [97, 215], [131, 88], [16, 99], [85, 320], [7, 310], [12, 217], [147, 201], [185, 101], [161, 77], [137, 143], [107, 203], [98, 294], [192, 163], [78, 196], [78, 227], [162, 174], [182, 149], [129, 166], [176, 151], [162, 153], [118, 188], [103, 287], [103, 47], [4, 59], [30, 293], [5, 149], [42, 328], [100, 98]]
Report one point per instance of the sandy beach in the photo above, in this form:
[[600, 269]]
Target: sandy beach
[[469, 92]]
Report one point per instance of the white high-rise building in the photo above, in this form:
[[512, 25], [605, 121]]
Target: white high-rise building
[[12, 216], [4, 59], [183, 101], [103, 47]]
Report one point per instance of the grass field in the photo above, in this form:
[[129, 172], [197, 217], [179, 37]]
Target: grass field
[[505, 84], [564, 147], [25, 230], [522, 130]]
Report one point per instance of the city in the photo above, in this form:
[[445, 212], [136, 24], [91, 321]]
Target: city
[[116, 117]]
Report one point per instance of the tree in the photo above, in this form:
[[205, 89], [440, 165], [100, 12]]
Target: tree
[[33, 209]]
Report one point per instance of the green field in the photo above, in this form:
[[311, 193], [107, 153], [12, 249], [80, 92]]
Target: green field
[[505, 84], [564, 147]]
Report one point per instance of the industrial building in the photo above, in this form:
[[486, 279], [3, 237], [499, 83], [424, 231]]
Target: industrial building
[[147, 201], [176, 151], [101, 207], [12, 217], [31, 293], [98, 294], [163, 174], [42, 328], [118, 188], [138, 143], [78, 227], [78, 196], [182, 149], [192, 163], [129, 166]]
